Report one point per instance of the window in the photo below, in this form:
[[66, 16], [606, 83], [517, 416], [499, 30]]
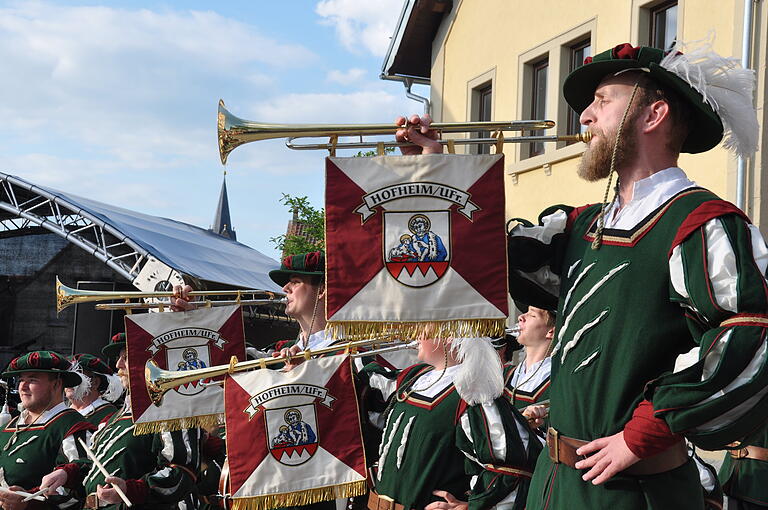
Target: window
[[484, 109], [579, 52], [538, 102], [663, 25]]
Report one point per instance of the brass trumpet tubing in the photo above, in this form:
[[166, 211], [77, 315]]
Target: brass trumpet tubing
[[66, 296], [234, 131], [159, 381], [581, 137], [200, 304]]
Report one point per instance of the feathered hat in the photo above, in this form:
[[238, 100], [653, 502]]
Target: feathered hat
[[718, 90], [480, 377]]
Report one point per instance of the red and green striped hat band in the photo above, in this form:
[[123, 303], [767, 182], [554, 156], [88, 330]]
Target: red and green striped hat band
[[706, 128], [303, 264], [44, 361], [113, 348]]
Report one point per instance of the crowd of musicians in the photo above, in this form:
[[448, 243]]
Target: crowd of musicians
[[591, 415]]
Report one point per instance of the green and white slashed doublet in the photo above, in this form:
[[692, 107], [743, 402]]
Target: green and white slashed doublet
[[747, 479], [434, 441], [97, 411], [168, 462], [688, 271], [525, 386], [36, 450]]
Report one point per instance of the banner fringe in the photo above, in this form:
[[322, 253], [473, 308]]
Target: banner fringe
[[300, 498], [458, 328], [188, 422]]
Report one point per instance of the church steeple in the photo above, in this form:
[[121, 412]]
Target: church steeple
[[222, 223]]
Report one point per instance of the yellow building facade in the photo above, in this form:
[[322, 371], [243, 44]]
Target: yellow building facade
[[507, 59]]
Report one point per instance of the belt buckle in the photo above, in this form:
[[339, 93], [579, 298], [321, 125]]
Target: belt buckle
[[390, 503], [554, 448]]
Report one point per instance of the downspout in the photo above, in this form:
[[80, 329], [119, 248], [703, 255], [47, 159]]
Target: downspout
[[746, 50], [408, 82]]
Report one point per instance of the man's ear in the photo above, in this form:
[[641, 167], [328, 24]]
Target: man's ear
[[550, 334], [654, 115]]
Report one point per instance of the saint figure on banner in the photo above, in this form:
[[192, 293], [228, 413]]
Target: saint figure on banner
[[191, 361], [427, 244], [300, 431]]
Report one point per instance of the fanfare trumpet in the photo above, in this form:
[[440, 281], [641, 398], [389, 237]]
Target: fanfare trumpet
[[66, 296], [160, 381], [234, 132]]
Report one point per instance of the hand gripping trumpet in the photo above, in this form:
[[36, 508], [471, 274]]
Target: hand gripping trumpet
[[160, 381]]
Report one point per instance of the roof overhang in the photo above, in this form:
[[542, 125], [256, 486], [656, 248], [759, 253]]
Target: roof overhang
[[409, 56]]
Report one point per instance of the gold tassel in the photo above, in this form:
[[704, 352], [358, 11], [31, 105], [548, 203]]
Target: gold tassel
[[459, 328], [188, 422], [300, 498]]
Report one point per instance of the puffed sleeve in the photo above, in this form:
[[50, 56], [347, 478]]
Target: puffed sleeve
[[178, 465], [501, 452], [717, 274]]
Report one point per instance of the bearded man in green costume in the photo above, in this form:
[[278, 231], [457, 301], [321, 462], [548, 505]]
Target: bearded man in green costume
[[663, 267]]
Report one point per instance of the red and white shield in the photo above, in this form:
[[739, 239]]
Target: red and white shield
[[292, 433], [417, 246]]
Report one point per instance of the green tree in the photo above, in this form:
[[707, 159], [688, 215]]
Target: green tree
[[308, 232]]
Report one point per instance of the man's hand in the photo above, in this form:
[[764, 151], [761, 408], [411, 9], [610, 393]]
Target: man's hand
[[181, 300], [11, 501], [289, 351], [450, 503], [54, 480], [109, 494], [609, 455], [418, 132], [535, 415]]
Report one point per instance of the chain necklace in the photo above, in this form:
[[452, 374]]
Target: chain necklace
[[405, 393], [15, 435]]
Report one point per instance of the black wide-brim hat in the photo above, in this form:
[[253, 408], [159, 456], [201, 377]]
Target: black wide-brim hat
[[706, 128], [113, 348], [44, 361], [304, 264]]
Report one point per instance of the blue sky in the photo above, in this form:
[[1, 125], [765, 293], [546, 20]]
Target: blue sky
[[116, 101]]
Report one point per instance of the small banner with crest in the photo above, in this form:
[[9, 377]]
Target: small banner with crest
[[181, 341], [416, 240], [304, 440]]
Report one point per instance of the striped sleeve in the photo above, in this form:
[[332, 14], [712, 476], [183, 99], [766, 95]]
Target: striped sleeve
[[178, 466], [718, 275], [501, 452], [534, 254]]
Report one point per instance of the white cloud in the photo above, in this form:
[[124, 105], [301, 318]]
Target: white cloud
[[346, 77], [367, 24]]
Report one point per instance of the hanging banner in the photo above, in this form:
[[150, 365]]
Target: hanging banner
[[181, 341], [413, 240], [304, 441]]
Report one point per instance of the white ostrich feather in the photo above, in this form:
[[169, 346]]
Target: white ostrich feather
[[114, 388], [82, 389], [725, 85], [480, 379]]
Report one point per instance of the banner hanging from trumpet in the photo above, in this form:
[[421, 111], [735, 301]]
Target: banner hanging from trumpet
[[415, 240], [304, 437], [181, 341]]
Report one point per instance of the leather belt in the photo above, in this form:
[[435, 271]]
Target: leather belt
[[750, 452], [382, 502], [562, 449]]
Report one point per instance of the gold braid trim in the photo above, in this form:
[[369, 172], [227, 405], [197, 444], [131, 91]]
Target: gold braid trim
[[188, 422], [459, 328], [300, 498], [745, 319]]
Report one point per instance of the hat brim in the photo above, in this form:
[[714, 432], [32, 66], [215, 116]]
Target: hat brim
[[113, 350], [706, 128], [71, 379], [282, 276]]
